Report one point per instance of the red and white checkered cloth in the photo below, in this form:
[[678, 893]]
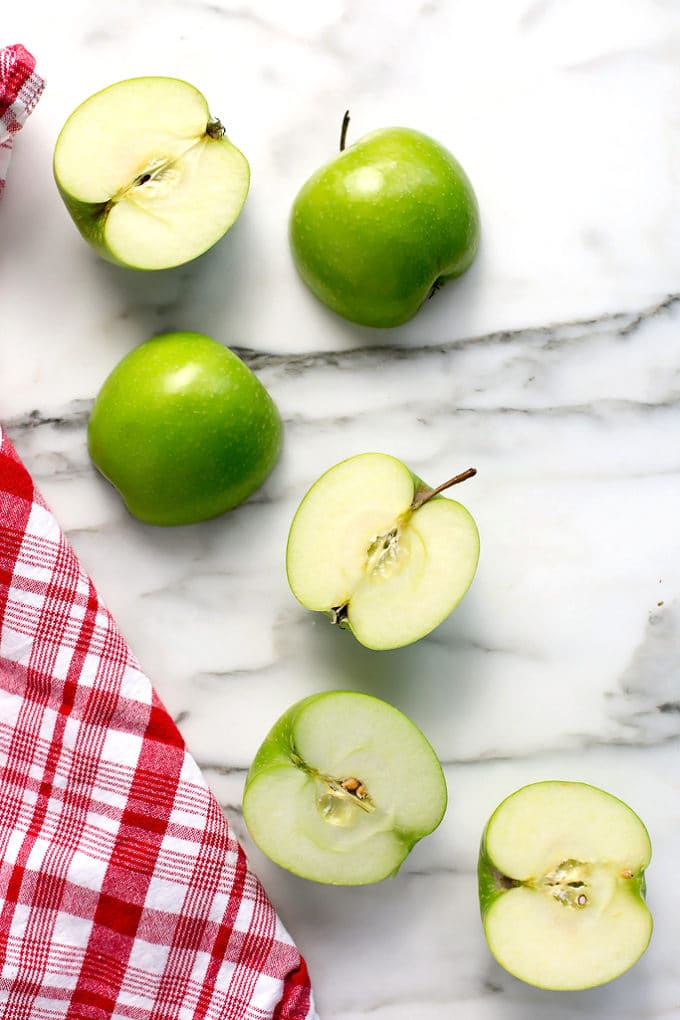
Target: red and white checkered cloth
[[123, 893], [20, 89]]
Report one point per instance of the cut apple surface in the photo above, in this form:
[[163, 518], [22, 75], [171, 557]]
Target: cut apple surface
[[375, 549], [342, 788], [150, 179], [561, 884]]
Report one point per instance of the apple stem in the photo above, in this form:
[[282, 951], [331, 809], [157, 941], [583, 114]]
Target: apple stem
[[343, 130], [426, 495]]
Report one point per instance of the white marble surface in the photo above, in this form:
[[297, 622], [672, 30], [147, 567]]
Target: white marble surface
[[553, 367]]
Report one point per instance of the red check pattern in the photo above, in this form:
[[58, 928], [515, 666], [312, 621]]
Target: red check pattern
[[123, 893], [20, 90]]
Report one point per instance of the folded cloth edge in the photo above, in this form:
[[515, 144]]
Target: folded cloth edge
[[63, 659], [20, 90]]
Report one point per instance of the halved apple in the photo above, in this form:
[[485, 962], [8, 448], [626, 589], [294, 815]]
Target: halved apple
[[148, 176], [561, 885], [342, 788], [380, 552]]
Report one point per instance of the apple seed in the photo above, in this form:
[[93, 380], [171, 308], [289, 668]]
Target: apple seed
[[351, 790]]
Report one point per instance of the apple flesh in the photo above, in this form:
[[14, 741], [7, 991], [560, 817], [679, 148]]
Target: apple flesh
[[379, 552], [378, 228], [183, 429], [148, 176], [342, 788], [561, 885]]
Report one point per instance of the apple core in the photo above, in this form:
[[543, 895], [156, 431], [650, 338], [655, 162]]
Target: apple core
[[337, 799]]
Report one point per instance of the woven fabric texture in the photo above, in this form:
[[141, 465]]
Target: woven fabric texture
[[123, 892], [20, 90]]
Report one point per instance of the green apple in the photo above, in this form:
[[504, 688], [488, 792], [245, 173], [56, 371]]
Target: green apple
[[149, 177], [183, 429], [342, 788], [561, 885], [380, 552], [377, 229]]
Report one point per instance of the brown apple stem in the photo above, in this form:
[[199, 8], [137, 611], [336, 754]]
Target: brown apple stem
[[343, 131], [426, 495]]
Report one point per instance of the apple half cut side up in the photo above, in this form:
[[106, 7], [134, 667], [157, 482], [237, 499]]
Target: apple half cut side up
[[149, 178], [379, 552], [342, 788], [561, 884]]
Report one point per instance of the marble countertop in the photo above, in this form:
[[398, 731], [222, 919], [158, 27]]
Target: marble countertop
[[553, 366]]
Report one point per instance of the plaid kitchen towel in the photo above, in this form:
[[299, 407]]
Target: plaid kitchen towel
[[20, 89], [123, 893]]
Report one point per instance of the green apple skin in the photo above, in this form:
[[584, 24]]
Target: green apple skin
[[376, 229], [493, 884], [90, 217], [183, 429], [275, 754]]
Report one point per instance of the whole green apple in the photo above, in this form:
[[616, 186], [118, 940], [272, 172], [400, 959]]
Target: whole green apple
[[148, 176], [382, 225], [183, 429]]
